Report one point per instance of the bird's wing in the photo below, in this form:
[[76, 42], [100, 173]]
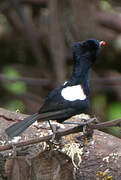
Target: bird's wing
[[54, 102]]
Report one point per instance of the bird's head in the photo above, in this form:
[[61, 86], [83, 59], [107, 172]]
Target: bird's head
[[88, 49]]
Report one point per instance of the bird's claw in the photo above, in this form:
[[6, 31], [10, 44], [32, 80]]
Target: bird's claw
[[55, 139]]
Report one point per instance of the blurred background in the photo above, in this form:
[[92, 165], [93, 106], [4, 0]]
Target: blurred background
[[36, 40]]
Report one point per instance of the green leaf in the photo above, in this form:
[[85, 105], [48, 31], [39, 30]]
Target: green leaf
[[114, 111], [16, 87], [105, 5]]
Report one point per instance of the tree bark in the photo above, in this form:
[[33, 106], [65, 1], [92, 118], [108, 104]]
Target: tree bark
[[100, 159]]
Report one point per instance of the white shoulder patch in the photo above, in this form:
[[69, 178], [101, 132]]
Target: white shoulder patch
[[72, 93], [65, 82]]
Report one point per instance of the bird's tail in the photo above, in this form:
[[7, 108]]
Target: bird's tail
[[21, 126], [17, 128]]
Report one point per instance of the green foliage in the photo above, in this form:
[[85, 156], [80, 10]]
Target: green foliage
[[14, 105], [99, 102], [105, 5], [114, 112], [111, 112], [15, 87]]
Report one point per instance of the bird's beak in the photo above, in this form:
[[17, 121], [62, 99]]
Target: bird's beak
[[102, 43]]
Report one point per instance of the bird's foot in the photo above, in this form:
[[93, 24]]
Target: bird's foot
[[56, 140]]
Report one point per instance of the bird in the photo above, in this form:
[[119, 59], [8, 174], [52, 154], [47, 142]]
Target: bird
[[72, 97]]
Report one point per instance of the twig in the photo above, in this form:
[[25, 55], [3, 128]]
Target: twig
[[107, 124], [25, 143], [47, 138], [65, 132], [18, 116]]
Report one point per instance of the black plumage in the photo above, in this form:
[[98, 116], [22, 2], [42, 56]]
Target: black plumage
[[72, 97]]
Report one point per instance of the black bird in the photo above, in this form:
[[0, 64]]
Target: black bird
[[72, 97]]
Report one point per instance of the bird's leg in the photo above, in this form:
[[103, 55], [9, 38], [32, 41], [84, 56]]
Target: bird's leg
[[83, 124], [54, 137], [52, 128]]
